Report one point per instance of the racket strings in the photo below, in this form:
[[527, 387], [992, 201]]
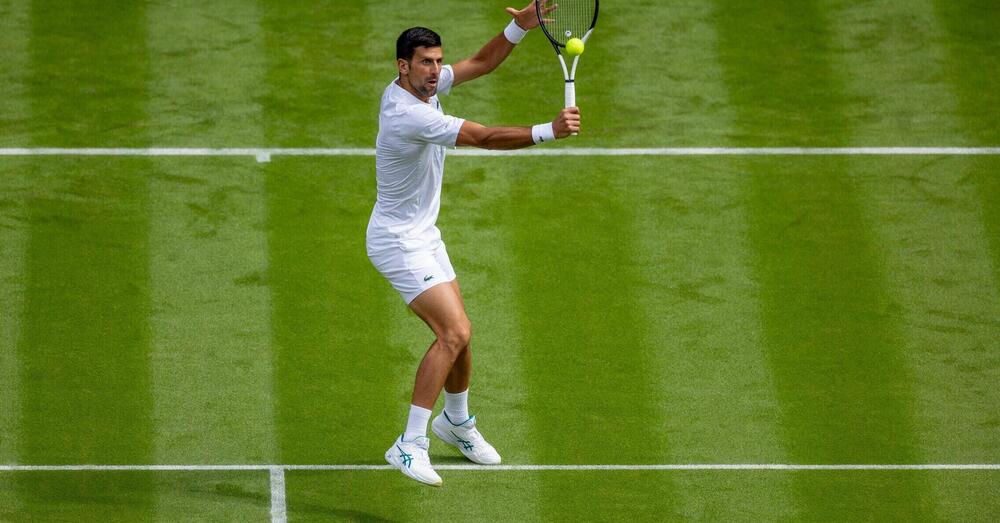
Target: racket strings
[[571, 20]]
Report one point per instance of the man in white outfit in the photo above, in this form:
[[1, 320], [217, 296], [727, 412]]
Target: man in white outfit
[[403, 241]]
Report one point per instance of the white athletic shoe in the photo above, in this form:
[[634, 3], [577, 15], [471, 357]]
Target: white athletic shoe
[[411, 458], [466, 438]]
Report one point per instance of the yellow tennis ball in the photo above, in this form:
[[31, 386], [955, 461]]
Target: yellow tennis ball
[[574, 47]]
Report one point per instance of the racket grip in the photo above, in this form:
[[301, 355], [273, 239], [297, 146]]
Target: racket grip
[[571, 95]]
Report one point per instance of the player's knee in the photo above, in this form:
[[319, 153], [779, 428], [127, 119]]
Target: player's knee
[[457, 338]]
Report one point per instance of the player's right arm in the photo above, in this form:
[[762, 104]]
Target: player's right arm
[[473, 134]]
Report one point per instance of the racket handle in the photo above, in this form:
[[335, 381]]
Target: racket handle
[[571, 95]]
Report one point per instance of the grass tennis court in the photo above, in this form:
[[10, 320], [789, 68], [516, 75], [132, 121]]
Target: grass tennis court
[[627, 310]]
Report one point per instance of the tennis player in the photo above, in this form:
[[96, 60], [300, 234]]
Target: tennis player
[[403, 241]]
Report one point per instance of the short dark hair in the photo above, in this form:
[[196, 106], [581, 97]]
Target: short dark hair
[[413, 38]]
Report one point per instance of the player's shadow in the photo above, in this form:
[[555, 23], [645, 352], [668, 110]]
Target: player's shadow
[[341, 514], [237, 492]]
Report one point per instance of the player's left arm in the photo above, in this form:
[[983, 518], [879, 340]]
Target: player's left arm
[[478, 135], [499, 48]]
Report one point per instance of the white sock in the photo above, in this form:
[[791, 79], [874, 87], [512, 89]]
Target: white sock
[[456, 406], [416, 424]]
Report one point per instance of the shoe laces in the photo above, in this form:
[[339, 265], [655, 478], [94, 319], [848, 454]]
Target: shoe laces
[[473, 435], [420, 446]]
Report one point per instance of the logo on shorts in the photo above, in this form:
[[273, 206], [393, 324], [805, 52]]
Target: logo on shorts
[[429, 277]]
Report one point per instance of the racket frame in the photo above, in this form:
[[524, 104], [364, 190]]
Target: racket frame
[[569, 73]]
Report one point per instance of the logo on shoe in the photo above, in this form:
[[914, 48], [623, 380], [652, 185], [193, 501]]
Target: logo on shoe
[[467, 445], [406, 458]]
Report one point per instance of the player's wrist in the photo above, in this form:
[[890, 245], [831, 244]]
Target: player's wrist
[[543, 132], [514, 33]]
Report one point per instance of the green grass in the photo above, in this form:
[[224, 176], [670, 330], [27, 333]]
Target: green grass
[[626, 310], [124, 496]]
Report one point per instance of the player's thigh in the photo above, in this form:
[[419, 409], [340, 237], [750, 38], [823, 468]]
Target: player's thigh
[[444, 261], [441, 308], [411, 272]]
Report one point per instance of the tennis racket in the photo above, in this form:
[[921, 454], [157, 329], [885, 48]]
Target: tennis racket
[[572, 19]]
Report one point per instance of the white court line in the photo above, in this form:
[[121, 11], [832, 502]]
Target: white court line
[[265, 154], [278, 512], [691, 466]]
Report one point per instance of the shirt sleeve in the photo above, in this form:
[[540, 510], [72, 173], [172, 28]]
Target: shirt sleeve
[[445, 80], [424, 124]]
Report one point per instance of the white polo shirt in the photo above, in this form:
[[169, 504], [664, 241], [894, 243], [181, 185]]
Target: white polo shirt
[[409, 166]]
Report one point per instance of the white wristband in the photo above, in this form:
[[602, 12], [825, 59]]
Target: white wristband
[[543, 132], [514, 33]]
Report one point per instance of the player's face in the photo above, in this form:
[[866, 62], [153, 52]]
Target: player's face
[[424, 70]]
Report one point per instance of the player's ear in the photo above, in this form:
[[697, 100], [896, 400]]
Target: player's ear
[[403, 66]]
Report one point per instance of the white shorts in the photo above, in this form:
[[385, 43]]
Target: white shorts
[[412, 272]]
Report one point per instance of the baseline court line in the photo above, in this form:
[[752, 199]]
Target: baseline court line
[[264, 154], [278, 511], [681, 466]]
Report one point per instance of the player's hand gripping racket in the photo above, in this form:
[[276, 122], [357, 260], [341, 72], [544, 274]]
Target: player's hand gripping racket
[[572, 19]]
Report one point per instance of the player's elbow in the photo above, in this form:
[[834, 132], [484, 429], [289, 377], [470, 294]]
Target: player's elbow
[[474, 135]]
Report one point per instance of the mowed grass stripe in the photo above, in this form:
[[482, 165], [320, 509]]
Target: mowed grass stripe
[[701, 311], [322, 90], [335, 375], [208, 250], [14, 114], [771, 73], [929, 228], [211, 305], [13, 244], [689, 227], [335, 372], [211, 335], [664, 93], [580, 329], [892, 57], [15, 118], [86, 296], [207, 74], [844, 387], [84, 352], [974, 69], [14, 26], [592, 380], [661, 357], [973, 64], [676, 84], [87, 75]]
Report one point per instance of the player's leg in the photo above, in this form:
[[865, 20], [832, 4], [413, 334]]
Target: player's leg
[[458, 379], [454, 425], [456, 385], [442, 310], [414, 274]]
